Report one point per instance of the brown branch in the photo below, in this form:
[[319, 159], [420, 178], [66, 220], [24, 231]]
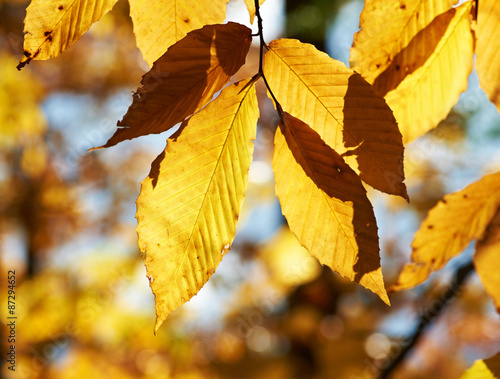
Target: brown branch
[[261, 58], [429, 315]]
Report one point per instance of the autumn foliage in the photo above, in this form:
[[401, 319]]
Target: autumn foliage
[[340, 128]]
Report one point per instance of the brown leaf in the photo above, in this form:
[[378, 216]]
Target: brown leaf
[[184, 79]]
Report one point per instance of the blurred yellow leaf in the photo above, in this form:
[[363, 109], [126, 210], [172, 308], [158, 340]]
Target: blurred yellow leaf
[[34, 159], [484, 369], [341, 107], [487, 48], [487, 257], [50, 27], [160, 24], [189, 204], [325, 205], [290, 264], [18, 127], [184, 79], [251, 8], [425, 97], [450, 226], [388, 27]]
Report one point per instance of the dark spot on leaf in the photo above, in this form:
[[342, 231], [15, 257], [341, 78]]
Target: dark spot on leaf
[[186, 20], [402, 6], [444, 201], [26, 54], [397, 67], [49, 38], [433, 260], [60, 7], [47, 34], [378, 65], [430, 226], [465, 196]]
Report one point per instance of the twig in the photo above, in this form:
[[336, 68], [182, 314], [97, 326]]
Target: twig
[[261, 58], [429, 315]]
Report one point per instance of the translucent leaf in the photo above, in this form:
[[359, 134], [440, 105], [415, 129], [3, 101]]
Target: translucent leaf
[[425, 97], [251, 8], [342, 108], [325, 205], [488, 49], [450, 226], [484, 369], [184, 79], [160, 24], [50, 27], [188, 206], [388, 27], [487, 257]]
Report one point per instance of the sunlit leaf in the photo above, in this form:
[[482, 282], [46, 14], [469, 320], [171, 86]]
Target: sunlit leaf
[[325, 205], [251, 8], [189, 204], [184, 79], [484, 369], [450, 226], [426, 96], [487, 257], [341, 107], [50, 27], [388, 27], [160, 24], [488, 49]]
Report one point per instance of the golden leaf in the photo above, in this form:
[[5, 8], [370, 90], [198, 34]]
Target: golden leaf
[[189, 204], [160, 24], [484, 369], [326, 205], [251, 8], [487, 257], [341, 107], [450, 226], [425, 97], [487, 49], [184, 79], [388, 27], [50, 27]]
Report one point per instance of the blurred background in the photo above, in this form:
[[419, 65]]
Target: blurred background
[[67, 227]]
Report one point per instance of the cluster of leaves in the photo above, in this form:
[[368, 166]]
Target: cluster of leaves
[[339, 127]]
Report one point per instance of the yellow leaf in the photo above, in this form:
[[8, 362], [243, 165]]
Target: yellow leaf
[[189, 204], [487, 257], [484, 369], [450, 226], [251, 8], [50, 27], [341, 107], [388, 27], [160, 24], [415, 55], [326, 205], [426, 96], [487, 49], [184, 79]]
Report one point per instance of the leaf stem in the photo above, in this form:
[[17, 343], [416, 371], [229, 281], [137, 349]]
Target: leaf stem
[[261, 58], [432, 312]]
